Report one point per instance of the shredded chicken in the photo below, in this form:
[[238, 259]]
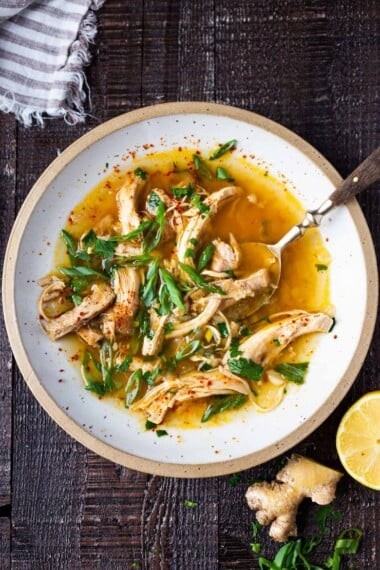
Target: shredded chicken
[[261, 348], [89, 335], [98, 300], [236, 291], [152, 346], [200, 320], [226, 256], [119, 318], [127, 203], [158, 400], [200, 222]]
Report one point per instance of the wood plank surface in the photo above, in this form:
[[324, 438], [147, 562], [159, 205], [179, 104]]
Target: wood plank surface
[[312, 66], [7, 209]]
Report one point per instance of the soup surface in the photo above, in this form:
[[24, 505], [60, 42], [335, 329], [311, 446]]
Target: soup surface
[[155, 281]]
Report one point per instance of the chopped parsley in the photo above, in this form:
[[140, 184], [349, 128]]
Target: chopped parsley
[[196, 201], [293, 372], [321, 267], [141, 173], [223, 329], [246, 368], [161, 432]]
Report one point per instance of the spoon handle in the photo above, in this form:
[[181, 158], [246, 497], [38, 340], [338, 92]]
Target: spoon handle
[[363, 176]]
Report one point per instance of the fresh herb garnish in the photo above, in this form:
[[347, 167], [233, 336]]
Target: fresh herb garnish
[[149, 291], [76, 299], [294, 372], [173, 290], [294, 554], [168, 327], [124, 365], [134, 387], [223, 329], [246, 368], [205, 257], [183, 191], [150, 425], [223, 149], [222, 404], [321, 267], [201, 167], [199, 281], [72, 247], [196, 201], [188, 350], [234, 480], [161, 432], [189, 503], [80, 271], [133, 260], [151, 375], [276, 342], [141, 173], [244, 331], [234, 348], [91, 374], [155, 233], [222, 174]]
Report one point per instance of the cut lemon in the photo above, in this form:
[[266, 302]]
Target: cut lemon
[[358, 440]]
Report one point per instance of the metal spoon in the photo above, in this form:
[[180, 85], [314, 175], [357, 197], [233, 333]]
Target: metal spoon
[[363, 176]]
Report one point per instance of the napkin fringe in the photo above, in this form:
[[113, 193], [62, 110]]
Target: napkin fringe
[[72, 111]]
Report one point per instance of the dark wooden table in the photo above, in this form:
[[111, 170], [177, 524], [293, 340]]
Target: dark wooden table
[[314, 66]]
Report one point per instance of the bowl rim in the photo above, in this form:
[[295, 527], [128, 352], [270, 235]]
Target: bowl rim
[[71, 426]]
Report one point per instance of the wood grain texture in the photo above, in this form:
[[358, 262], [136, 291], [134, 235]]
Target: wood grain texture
[[312, 66], [7, 208], [5, 543]]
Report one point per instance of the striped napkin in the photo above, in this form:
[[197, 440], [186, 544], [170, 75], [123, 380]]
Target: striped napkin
[[44, 46]]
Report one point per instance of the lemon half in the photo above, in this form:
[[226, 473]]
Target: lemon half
[[358, 440]]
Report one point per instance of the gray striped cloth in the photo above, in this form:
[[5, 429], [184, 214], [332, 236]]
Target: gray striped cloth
[[44, 46]]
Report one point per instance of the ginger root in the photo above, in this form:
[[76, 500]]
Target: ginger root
[[277, 502]]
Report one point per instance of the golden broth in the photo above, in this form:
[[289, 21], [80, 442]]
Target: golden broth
[[263, 214]]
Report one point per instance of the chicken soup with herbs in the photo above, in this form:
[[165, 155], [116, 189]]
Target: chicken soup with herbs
[[157, 277]]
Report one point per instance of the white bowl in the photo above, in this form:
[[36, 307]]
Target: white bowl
[[250, 438]]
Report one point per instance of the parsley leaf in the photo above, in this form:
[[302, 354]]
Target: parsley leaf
[[141, 173], [294, 372], [321, 267], [246, 368]]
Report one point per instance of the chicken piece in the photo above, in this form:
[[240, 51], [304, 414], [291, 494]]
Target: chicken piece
[[261, 348], [198, 224], [98, 300], [89, 335], [173, 218], [103, 227], [127, 203], [158, 400], [237, 301], [118, 319], [226, 256], [152, 346], [200, 320]]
